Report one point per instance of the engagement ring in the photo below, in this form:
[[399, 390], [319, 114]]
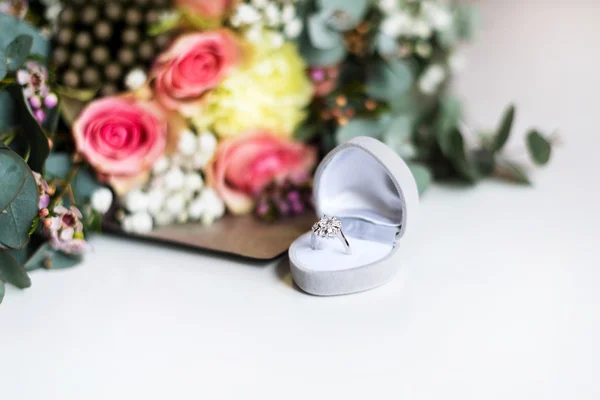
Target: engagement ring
[[329, 228]]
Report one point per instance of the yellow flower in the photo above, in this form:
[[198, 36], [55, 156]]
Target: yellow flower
[[270, 91]]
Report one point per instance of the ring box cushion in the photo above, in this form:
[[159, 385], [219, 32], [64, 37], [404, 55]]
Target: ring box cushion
[[372, 191]]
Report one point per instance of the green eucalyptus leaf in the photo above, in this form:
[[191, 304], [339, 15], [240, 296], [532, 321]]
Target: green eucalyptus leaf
[[539, 147], [34, 135], [485, 161], [389, 80], [345, 14], [12, 178], [16, 221], [504, 129], [422, 176], [47, 257], [458, 156], [13, 272], [385, 45], [12, 27], [18, 50], [319, 57], [447, 123], [359, 127], [2, 290], [319, 33], [3, 65], [512, 172], [398, 136]]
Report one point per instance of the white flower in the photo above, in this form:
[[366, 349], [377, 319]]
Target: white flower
[[136, 201], [456, 62], [396, 24], [174, 179], [293, 28], [421, 29], [135, 79], [423, 49], [188, 143], [140, 222], [200, 160], [207, 145], [272, 14], [430, 80], [247, 14], [196, 208], [437, 15], [193, 182], [182, 218], [276, 40], [161, 166], [388, 6], [288, 13], [102, 200], [175, 204], [156, 199], [207, 142], [214, 206], [254, 34]]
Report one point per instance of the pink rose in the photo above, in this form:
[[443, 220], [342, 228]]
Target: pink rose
[[244, 165], [121, 138], [206, 8], [193, 64]]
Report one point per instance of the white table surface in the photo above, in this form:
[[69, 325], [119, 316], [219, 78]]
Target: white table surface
[[497, 298]]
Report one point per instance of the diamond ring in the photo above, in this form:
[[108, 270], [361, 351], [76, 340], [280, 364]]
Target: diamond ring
[[329, 228]]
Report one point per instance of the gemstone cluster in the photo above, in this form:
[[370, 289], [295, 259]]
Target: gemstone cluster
[[327, 227]]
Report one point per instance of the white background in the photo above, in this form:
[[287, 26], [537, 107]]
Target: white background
[[497, 298]]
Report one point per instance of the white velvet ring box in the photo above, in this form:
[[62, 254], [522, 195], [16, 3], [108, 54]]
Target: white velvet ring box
[[371, 190]]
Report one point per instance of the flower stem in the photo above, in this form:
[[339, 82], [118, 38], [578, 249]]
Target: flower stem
[[66, 187]]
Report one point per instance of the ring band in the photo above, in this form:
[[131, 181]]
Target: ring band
[[329, 228]]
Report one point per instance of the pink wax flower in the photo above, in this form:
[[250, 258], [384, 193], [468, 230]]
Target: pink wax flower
[[244, 165], [65, 231], [325, 79], [121, 137], [194, 63], [42, 191]]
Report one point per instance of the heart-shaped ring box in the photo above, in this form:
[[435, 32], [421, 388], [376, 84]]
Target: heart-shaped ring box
[[371, 190]]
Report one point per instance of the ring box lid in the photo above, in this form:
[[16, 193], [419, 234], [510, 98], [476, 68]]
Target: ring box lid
[[365, 179]]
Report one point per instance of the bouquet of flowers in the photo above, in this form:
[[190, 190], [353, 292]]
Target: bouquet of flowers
[[158, 112]]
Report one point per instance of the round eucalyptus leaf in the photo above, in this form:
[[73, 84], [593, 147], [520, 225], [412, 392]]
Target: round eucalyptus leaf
[[399, 137], [18, 51], [385, 44], [346, 14], [13, 272], [12, 178], [504, 130], [321, 36], [389, 80], [3, 65], [318, 57], [422, 176], [539, 147], [46, 257], [17, 218]]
